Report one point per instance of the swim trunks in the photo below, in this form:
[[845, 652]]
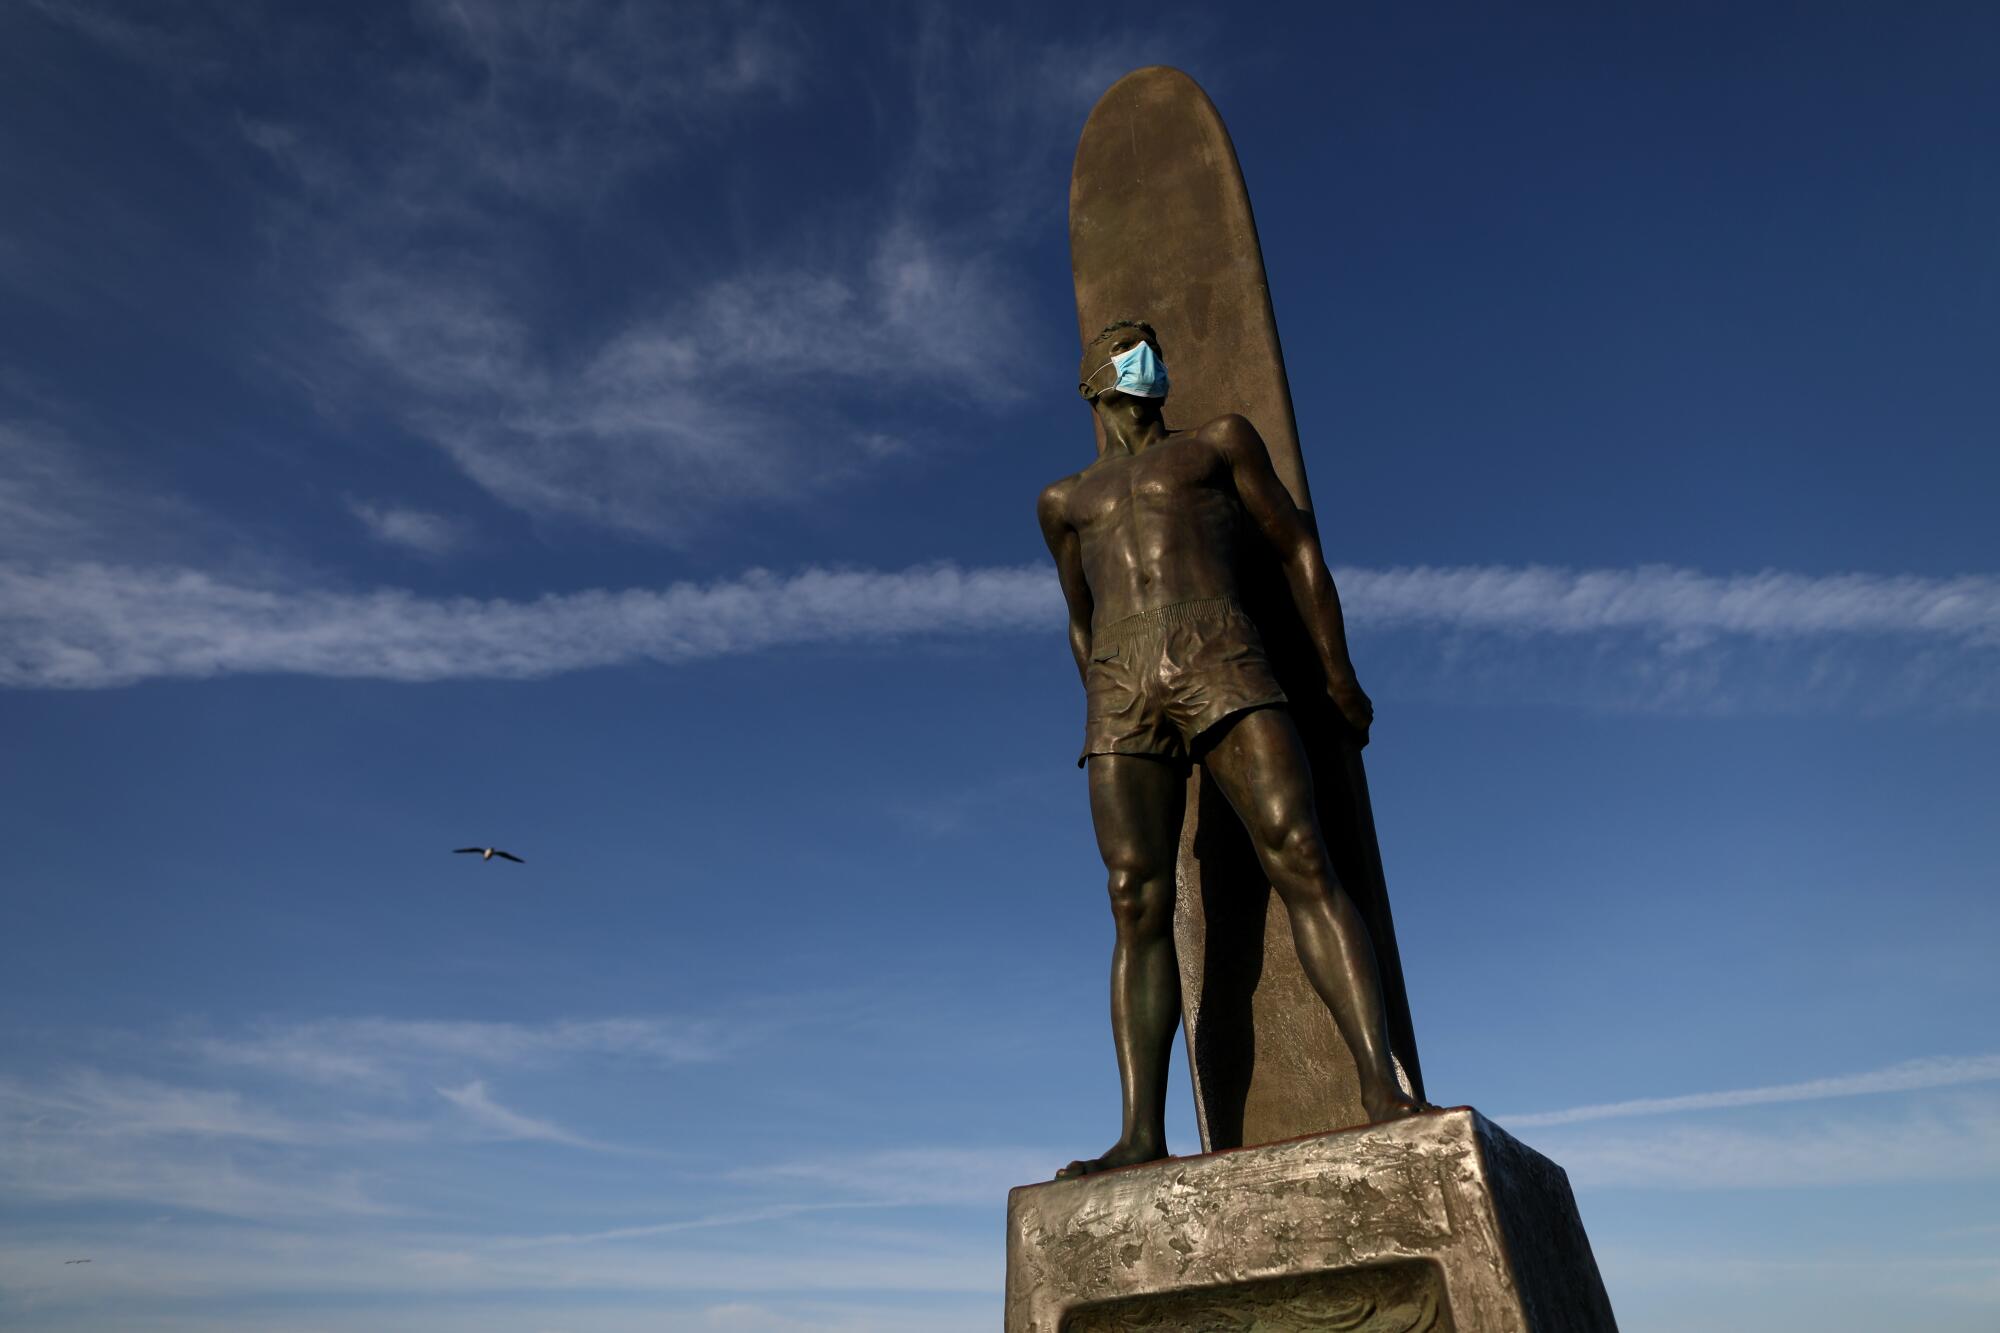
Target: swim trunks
[[1158, 680]]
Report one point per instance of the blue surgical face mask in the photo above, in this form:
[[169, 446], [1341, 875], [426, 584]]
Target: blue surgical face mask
[[1140, 372]]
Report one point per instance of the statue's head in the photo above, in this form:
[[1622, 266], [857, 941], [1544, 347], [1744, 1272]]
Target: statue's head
[[1124, 358]]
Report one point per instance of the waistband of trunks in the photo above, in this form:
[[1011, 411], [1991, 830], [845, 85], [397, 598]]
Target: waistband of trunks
[[1174, 613]]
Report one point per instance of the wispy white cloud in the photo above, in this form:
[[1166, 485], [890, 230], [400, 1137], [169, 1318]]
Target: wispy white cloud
[[57, 502], [84, 1134], [543, 107], [425, 222], [1722, 1267], [934, 809], [1797, 1275], [573, 95], [386, 1052], [298, 1119], [70, 491], [41, 1167], [1678, 641], [92, 625], [760, 1316], [413, 529], [439, 1264], [305, 1120], [1663, 600], [92, 1104], [343, 1204], [917, 1175], [712, 399], [140, 33], [1944, 1139], [496, 1121], [713, 1221], [1909, 1076], [1943, 1136], [1008, 141], [68, 1306], [419, 227]]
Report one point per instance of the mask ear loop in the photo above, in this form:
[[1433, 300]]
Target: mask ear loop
[[1092, 394]]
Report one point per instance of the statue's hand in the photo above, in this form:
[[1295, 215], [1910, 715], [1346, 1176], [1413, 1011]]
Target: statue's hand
[[1354, 706]]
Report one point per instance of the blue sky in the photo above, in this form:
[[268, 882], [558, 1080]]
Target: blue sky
[[611, 431]]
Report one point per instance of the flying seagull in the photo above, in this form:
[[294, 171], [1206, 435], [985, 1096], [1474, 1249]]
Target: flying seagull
[[488, 853], [76, 1261]]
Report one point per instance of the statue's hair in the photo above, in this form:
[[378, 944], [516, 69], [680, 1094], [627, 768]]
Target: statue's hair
[[1118, 324]]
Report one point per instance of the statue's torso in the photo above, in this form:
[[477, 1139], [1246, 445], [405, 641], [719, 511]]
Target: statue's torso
[[1157, 527]]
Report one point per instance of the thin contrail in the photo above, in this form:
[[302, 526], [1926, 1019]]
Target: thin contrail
[[1936, 1072], [93, 625]]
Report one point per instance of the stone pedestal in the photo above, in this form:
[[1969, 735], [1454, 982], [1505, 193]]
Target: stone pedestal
[[1440, 1223]]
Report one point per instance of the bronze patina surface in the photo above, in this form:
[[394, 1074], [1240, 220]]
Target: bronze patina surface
[[1161, 229], [1426, 1224]]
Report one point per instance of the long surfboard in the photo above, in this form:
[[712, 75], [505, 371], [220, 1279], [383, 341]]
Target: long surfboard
[[1160, 229]]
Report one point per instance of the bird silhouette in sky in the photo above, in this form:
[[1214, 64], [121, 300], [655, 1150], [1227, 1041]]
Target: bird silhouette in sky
[[488, 853], [76, 1261]]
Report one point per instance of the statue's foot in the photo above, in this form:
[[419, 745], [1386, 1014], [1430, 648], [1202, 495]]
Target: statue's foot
[[1394, 1106], [1121, 1154]]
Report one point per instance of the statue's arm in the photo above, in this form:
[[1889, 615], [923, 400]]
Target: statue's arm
[[1067, 548], [1291, 534]]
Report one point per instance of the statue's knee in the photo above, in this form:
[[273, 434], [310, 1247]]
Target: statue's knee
[[1140, 897], [1296, 855]]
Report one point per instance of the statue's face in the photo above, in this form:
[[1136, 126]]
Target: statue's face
[[1097, 358]]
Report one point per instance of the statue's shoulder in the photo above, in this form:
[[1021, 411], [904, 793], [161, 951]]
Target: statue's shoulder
[[1229, 432], [1053, 503], [1228, 440]]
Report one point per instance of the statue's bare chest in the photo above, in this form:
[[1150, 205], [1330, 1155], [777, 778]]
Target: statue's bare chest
[[1172, 482]]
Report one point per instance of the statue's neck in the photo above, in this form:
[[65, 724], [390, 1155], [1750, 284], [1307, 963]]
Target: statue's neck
[[1131, 425]]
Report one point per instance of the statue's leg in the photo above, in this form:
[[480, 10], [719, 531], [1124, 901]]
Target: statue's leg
[[1260, 765], [1136, 804]]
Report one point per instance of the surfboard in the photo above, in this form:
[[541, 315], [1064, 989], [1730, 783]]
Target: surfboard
[[1161, 230]]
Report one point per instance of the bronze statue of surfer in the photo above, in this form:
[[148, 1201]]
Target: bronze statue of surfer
[[1146, 542]]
